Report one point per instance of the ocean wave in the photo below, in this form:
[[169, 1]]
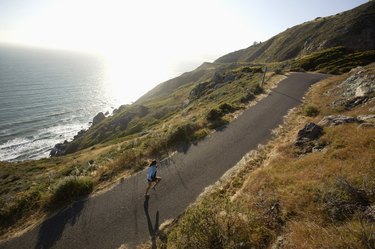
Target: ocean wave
[[38, 146]]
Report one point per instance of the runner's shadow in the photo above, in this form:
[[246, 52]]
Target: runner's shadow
[[51, 230], [152, 230]]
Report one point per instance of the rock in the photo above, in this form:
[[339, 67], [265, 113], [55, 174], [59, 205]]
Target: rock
[[363, 91], [98, 118], [59, 149], [107, 113], [333, 120], [310, 132], [356, 101], [199, 90], [366, 118], [79, 134], [360, 83]]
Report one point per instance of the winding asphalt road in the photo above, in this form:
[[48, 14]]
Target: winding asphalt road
[[122, 216]]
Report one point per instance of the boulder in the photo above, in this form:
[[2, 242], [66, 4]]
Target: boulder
[[333, 120], [59, 149], [98, 118], [310, 132]]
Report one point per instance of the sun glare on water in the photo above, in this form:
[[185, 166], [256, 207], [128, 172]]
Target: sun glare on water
[[142, 42]]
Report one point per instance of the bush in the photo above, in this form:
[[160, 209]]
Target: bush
[[72, 188], [214, 115], [218, 223], [22, 204], [227, 108], [343, 200], [311, 111], [247, 98], [181, 134]]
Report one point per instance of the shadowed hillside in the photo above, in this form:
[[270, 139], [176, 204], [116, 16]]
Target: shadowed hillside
[[353, 29]]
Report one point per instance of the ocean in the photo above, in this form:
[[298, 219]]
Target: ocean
[[46, 97]]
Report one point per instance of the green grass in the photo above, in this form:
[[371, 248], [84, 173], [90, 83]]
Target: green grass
[[70, 189], [335, 60], [311, 111]]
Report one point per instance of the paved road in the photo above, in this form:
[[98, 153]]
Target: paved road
[[123, 216]]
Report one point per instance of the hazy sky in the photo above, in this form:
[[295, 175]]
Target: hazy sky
[[176, 36]]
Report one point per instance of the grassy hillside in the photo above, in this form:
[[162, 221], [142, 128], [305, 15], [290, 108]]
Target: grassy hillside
[[181, 111], [283, 196], [123, 143], [352, 29]]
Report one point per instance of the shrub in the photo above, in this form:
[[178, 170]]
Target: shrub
[[341, 201], [247, 98], [181, 134], [227, 108], [213, 115], [23, 203], [218, 223], [311, 111], [72, 188]]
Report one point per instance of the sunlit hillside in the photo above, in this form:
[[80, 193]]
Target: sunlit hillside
[[293, 194]]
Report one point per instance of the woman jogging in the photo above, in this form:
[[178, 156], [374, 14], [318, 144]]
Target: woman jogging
[[152, 179]]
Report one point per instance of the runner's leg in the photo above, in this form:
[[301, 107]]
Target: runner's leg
[[158, 179], [148, 187]]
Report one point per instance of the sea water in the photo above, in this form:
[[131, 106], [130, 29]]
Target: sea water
[[46, 97]]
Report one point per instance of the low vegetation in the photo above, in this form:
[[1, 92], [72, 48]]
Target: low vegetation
[[286, 199], [335, 60], [321, 199], [122, 144]]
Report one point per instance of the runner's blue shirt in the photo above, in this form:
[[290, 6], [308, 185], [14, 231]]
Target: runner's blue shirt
[[151, 172]]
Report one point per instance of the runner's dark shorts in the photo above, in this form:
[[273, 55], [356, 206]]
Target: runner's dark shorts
[[153, 178]]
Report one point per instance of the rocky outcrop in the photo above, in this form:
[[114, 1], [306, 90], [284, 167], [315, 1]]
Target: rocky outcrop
[[359, 84], [199, 90], [310, 132], [59, 149], [307, 139], [366, 118], [98, 118], [356, 90], [365, 121], [333, 120]]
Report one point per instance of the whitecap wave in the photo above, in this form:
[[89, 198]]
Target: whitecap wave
[[38, 146]]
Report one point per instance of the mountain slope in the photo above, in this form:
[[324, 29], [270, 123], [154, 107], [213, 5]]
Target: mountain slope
[[179, 112], [353, 29]]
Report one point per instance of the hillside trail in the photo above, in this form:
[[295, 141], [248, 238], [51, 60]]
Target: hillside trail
[[122, 216]]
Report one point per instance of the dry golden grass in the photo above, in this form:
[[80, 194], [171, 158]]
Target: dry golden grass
[[312, 200]]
